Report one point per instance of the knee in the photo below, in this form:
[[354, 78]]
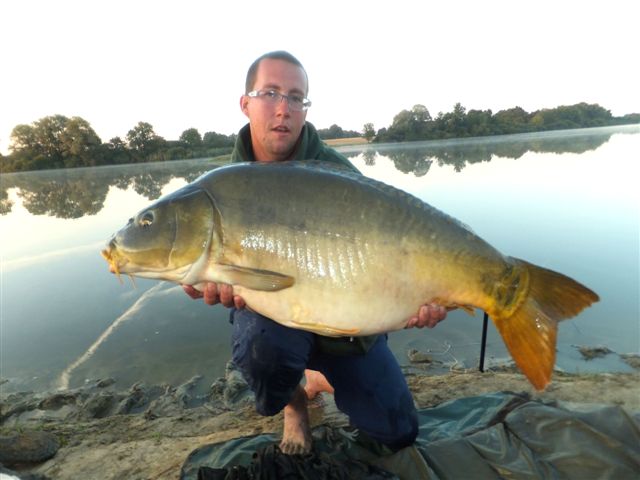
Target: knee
[[393, 424], [262, 347], [269, 376], [396, 431], [405, 434], [272, 359]]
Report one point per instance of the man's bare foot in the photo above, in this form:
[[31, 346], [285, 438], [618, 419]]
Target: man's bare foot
[[316, 383], [296, 436]]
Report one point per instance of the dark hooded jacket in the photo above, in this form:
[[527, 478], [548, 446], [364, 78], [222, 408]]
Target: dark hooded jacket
[[309, 147]]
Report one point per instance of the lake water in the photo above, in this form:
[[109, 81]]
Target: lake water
[[565, 200]]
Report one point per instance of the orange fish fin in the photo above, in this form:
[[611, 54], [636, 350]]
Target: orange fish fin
[[321, 329], [530, 331], [530, 337], [467, 308], [452, 306], [559, 296]]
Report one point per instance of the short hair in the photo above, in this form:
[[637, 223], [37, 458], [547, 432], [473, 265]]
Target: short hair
[[275, 55]]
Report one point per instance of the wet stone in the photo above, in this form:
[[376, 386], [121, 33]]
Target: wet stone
[[57, 401], [589, 353], [28, 447], [99, 406], [416, 356]]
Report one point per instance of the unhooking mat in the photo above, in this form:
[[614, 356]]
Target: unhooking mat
[[493, 436]]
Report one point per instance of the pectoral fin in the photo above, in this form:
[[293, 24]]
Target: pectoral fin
[[254, 278]]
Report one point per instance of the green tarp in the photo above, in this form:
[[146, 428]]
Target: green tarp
[[495, 436]]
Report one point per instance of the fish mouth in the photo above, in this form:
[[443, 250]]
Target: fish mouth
[[114, 260]]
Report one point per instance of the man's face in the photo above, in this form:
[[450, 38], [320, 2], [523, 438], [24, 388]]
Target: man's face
[[275, 128]]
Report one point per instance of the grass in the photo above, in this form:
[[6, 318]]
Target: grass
[[338, 142]]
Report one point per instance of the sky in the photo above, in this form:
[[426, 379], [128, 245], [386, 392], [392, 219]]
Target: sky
[[182, 64]]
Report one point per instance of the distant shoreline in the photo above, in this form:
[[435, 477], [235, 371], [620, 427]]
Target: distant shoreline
[[342, 142], [357, 144], [57, 141]]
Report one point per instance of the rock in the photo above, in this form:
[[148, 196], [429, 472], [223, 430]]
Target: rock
[[232, 390], [99, 406], [10, 409], [104, 383], [28, 447], [589, 353], [165, 405], [139, 398], [236, 392], [632, 359], [416, 356], [57, 401], [184, 392], [11, 475]]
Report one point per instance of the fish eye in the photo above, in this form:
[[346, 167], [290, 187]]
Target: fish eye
[[146, 219]]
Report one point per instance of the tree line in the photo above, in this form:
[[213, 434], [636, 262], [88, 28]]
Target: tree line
[[417, 123], [61, 142]]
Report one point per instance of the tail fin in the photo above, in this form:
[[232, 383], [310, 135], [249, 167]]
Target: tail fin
[[530, 332]]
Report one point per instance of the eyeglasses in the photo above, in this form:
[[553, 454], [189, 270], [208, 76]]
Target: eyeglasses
[[296, 102]]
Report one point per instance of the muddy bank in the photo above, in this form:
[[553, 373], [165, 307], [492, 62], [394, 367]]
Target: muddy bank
[[147, 431]]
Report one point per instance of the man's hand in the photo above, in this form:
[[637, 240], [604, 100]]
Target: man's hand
[[428, 316], [214, 293]]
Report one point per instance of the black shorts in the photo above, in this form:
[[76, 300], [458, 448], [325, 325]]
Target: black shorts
[[370, 388]]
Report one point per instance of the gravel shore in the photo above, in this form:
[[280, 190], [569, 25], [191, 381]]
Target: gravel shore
[[147, 431]]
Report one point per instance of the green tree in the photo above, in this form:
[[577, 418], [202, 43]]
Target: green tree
[[48, 131], [479, 123], [409, 125], [192, 138], [140, 137], [55, 142], [368, 131], [23, 138], [334, 131], [143, 141], [79, 144], [511, 120], [25, 150], [217, 140], [116, 151], [453, 124], [420, 114]]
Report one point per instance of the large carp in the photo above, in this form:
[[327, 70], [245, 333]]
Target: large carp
[[339, 254]]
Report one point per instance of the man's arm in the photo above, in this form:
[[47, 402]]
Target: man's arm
[[428, 315]]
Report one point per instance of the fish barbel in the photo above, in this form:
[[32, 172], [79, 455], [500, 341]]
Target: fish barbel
[[339, 254]]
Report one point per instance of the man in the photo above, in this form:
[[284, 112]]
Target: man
[[361, 372]]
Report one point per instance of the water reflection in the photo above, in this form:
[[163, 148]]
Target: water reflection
[[418, 157], [79, 192]]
